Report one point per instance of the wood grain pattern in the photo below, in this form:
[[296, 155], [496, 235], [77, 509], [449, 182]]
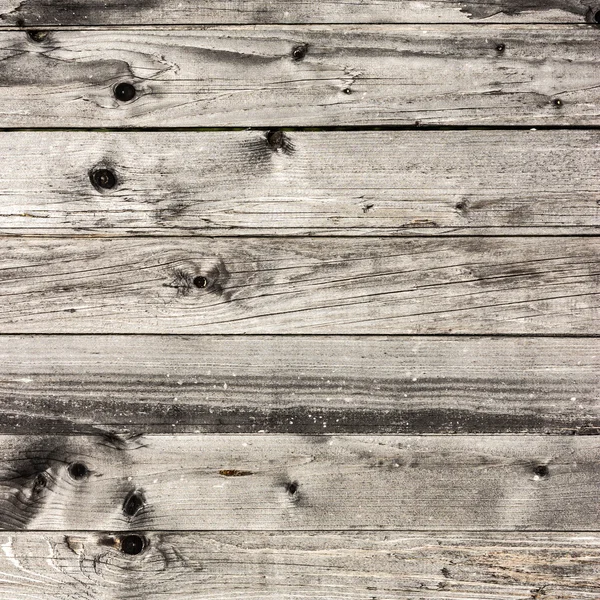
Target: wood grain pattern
[[296, 384], [159, 12], [276, 566], [283, 482], [350, 182], [300, 285], [351, 75]]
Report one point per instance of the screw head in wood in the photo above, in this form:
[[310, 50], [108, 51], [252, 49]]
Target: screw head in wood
[[103, 179], [557, 102], [125, 92], [132, 544]]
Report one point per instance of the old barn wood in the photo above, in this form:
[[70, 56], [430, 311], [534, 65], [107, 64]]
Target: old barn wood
[[299, 301], [302, 76], [270, 183]]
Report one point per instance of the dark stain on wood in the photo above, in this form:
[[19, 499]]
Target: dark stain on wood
[[491, 8], [38, 12]]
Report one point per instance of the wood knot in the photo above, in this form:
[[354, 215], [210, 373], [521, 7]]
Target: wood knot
[[124, 92], [133, 544], [292, 487], [103, 178], [37, 36], [78, 471], [278, 141], [593, 15], [299, 52], [134, 502]]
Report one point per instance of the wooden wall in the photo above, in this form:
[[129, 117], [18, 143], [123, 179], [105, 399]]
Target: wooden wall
[[299, 300]]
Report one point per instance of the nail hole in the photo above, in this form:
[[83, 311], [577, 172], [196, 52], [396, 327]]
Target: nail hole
[[299, 52], [78, 471], [347, 91], [133, 503], [37, 36], [125, 92], [200, 281], [500, 48], [132, 544], [557, 102], [541, 471], [292, 487], [103, 179]]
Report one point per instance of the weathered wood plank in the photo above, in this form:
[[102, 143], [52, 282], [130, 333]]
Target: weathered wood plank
[[300, 285], [284, 482], [349, 75], [350, 182], [276, 566], [295, 384], [188, 12]]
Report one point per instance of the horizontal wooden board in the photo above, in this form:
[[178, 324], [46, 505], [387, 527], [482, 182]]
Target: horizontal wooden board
[[215, 482], [159, 12], [300, 285], [349, 75], [349, 182], [299, 384], [287, 482], [303, 566]]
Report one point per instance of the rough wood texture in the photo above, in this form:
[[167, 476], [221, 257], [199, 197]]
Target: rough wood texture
[[300, 285], [315, 566], [159, 12], [350, 182], [283, 482], [296, 384], [248, 76]]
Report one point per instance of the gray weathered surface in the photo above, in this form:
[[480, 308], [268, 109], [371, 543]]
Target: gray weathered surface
[[284, 482], [187, 12], [300, 285], [351, 75], [349, 182], [303, 566], [295, 384]]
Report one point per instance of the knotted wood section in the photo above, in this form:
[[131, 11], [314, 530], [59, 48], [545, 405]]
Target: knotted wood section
[[348, 75], [189, 482], [352, 183], [351, 565]]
